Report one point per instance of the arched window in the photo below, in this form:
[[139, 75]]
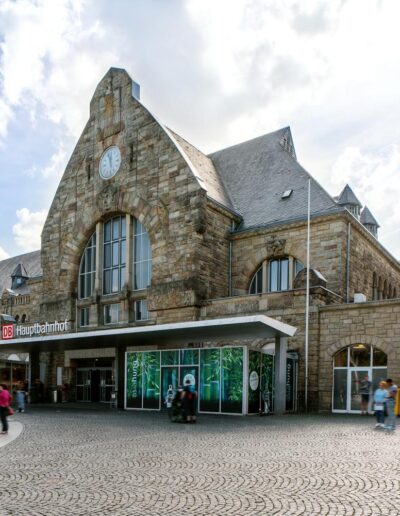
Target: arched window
[[116, 239], [23, 318], [114, 254], [384, 295], [87, 270], [374, 287], [275, 275], [351, 366]]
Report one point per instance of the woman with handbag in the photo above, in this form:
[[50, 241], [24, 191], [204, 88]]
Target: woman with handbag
[[5, 400]]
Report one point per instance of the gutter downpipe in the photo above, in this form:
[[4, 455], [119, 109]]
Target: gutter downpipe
[[348, 262], [230, 263], [307, 301]]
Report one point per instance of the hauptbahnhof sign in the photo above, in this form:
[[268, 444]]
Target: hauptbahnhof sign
[[11, 331]]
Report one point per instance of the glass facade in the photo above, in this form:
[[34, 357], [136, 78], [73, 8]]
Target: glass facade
[[218, 376]]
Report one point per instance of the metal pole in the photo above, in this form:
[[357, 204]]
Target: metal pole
[[307, 301]]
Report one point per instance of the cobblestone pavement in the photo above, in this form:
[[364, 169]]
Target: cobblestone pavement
[[75, 462]]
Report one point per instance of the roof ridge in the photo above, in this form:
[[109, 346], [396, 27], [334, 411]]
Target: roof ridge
[[249, 140]]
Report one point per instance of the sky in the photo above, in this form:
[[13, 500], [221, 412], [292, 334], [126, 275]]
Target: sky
[[218, 72]]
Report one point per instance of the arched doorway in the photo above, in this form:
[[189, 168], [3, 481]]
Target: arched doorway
[[350, 366]]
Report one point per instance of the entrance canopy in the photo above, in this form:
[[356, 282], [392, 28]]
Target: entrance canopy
[[246, 327]]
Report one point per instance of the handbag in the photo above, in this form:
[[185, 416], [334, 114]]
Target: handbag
[[10, 411]]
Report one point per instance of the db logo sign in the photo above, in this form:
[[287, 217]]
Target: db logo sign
[[7, 331]]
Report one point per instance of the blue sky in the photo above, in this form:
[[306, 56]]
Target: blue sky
[[217, 72]]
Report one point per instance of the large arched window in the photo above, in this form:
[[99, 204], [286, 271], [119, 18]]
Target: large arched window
[[87, 269], [116, 240], [275, 275], [351, 366]]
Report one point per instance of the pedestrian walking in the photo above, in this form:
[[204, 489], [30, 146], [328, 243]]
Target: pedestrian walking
[[379, 404], [365, 390], [21, 394], [390, 423], [189, 396], [5, 400]]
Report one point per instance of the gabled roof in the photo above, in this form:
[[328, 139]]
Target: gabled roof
[[256, 173], [29, 262], [205, 171], [20, 272], [366, 217], [347, 197]]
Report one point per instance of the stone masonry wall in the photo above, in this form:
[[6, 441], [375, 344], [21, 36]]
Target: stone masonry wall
[[374, 323], [154, 184], [327, 247], [367, 258]]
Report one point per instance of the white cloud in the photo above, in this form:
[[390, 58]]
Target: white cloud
[[3, 254], [373, 176], [56, 165], [49, 61], [28, 229]]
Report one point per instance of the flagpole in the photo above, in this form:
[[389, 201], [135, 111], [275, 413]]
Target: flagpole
[[307, 300]]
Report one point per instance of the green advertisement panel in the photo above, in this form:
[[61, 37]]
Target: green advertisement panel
[[254, 382], [151, 380], [232, 380], [134, 391], [267, 382], [210, 366], [170, 382]]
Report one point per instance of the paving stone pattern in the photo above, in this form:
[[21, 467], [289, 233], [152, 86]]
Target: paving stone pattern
[[75, 462]]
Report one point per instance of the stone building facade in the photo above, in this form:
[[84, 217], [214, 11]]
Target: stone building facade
[[145, 230]]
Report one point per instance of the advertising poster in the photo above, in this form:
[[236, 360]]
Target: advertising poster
[[232, 380], [170, 381], [151, 380], [134, 380], [210, 365], [267, 382], [254, 382], [189, 356], [170, 357]]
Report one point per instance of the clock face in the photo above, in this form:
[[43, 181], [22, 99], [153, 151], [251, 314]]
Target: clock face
[[110, 162]]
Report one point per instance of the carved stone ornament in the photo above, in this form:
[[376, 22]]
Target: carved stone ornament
[[276, 246], [108, 198]]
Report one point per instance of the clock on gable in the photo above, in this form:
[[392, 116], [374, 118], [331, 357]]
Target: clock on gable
[[110, 162]]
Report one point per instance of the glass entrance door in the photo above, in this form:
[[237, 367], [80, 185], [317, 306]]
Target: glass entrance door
[[356, 375], [106, 385], [83, 385], [94, 385]]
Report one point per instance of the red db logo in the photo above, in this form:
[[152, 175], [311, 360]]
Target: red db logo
[[8, 331]]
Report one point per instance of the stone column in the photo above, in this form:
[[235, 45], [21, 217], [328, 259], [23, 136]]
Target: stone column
[[280, 375], [120, 380], [34, 367]]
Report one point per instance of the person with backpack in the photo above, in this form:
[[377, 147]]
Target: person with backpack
[[189, 396]]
